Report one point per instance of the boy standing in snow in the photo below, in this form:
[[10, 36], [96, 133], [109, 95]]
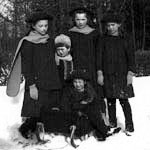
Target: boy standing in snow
[[116, 67]]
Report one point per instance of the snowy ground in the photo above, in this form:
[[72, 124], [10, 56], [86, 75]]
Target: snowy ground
[[140, 140]]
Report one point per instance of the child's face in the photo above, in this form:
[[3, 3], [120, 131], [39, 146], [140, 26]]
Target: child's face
[[62, 51], [79, 84], [113, 28], [41, 26], [81, 20]]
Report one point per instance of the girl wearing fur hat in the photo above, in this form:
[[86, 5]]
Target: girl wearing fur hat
[[116, 67], [84, 40], [35, 60]]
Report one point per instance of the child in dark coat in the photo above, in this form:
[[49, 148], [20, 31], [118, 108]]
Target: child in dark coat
[[116, 67], [80, 100], [56, 121]]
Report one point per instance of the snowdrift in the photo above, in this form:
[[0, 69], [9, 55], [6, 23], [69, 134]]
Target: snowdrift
[[10, 109]]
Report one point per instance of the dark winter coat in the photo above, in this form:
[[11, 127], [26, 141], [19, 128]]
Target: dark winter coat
[[71, 99], [83, 51], [115, 58], [71, 104], [39, 68]]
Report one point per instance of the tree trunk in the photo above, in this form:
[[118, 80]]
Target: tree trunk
[[144, 26], [99, 15], [133, 26]]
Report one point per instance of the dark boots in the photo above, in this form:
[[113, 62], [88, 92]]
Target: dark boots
[[28, 126], [127, 113]]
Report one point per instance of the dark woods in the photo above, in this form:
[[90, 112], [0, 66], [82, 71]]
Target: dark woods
[[12, 24]]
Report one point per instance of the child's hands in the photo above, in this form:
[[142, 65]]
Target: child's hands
[[87, 101], [72, 127], [80, 113], [100, 78], [33, 92], [129, 77], [84, 102]]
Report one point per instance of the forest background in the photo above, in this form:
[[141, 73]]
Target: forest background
[[135, 13]]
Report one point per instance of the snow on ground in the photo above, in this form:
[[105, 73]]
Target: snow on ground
[[10, 119]]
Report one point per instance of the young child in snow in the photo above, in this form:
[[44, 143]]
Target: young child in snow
[[80, 100], [116, 67], [63, 58]]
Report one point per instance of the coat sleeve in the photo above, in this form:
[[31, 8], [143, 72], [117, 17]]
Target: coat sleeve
[[65, 100], [27, 62], [130, 53], [99, 53]]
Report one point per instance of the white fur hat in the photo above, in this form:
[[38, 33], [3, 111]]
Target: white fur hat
[[63, 39]]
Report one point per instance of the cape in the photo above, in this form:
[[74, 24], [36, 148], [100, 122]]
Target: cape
[[14, 79]]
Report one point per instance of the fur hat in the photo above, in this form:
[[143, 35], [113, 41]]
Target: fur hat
[[79, 74], [81, 10], [112, 17], [62, 40], [38, 15]]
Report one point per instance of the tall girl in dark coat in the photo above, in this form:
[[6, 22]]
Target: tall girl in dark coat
[[35, 59], [116, 69], [84, 45]]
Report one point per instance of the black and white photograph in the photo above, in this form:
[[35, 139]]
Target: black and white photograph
[[74, 74]]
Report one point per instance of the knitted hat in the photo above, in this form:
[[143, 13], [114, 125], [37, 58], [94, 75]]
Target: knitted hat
[[38, 15], [62, 40], [112, 17], [79, 74]]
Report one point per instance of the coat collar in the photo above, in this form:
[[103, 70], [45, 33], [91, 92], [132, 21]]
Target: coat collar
[[85, 30]]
